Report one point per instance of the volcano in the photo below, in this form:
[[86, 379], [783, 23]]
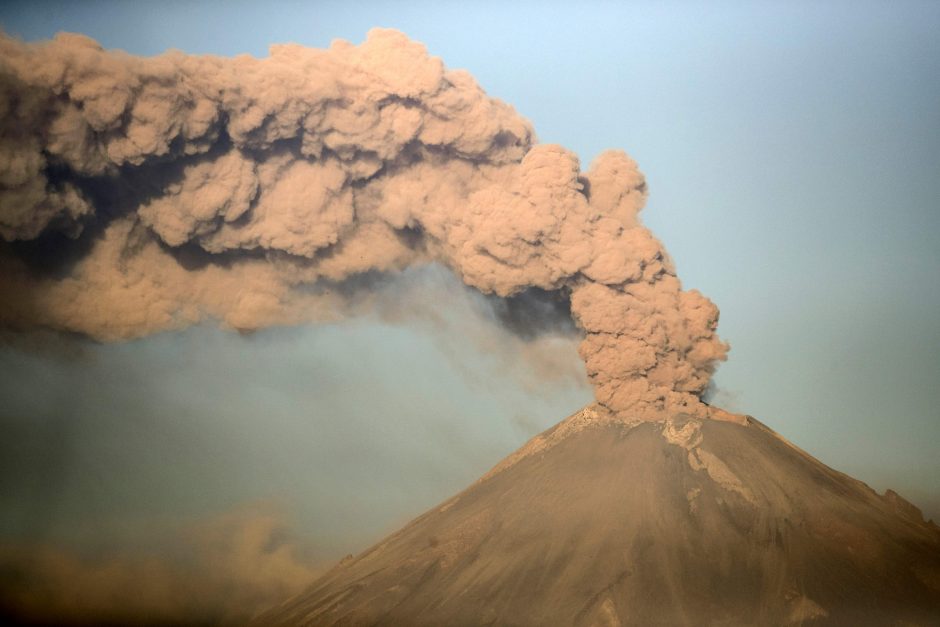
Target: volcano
[[604, 521]]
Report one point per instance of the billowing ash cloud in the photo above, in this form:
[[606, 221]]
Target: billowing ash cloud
[[144, 194]]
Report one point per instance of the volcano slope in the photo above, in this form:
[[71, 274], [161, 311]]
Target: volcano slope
[[682, 522]]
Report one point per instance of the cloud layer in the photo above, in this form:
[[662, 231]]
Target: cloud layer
[[223, 570]]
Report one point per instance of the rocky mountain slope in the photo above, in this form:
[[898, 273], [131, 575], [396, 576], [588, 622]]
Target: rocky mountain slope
[[599, 521]]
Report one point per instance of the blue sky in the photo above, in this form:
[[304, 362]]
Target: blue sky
[[792, 152]]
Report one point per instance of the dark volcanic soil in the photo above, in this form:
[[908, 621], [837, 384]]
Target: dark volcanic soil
[[678, 523]]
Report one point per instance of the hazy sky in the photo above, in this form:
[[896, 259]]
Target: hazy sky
[[793, 156]]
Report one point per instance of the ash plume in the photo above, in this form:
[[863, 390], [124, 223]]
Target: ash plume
[[144, 194]]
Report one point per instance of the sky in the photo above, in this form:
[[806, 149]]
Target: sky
[[791, 151]]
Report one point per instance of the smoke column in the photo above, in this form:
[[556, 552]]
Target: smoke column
[[145, 194]]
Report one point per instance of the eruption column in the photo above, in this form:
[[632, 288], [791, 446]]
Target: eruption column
[[144, 194]]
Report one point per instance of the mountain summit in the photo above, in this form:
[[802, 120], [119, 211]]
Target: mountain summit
[[601, 521]]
